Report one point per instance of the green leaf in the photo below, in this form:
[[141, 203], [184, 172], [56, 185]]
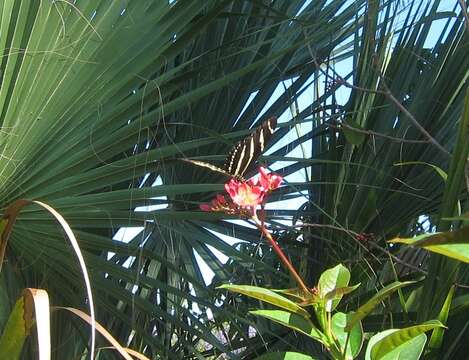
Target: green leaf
[[399, 337], [453, 244], [15, 332], [366, 308], [294, 322], [288, 355], [354, 133], [293, 292], [330, 280], [410, 350], [268, 296], [437, 335], [338, 292], [353, 339]]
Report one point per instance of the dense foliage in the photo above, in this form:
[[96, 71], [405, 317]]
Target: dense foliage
[[99, 101]]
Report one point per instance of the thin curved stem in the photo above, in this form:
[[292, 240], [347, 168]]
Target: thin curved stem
[[286, 262]]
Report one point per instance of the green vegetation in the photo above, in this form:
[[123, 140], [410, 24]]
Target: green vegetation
[[99, 102]]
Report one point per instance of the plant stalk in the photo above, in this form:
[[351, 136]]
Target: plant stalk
[[286, 262]]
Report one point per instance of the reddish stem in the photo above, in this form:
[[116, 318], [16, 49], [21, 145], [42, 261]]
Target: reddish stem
[[281, 255]]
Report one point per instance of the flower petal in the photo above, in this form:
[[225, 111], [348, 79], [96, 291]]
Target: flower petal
[[245, 194], [269, 181], [205, 207]]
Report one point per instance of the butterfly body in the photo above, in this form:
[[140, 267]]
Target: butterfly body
[[245, 152]]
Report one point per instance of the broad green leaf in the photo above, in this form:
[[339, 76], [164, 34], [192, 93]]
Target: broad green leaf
[[400, 337], [366, 308], [294, 292], [288, 355], [436, 338], [331, 279], [459, 236], [339, 292], [268, 296], [457, 251], [353, 339], [299, 296], [454, 244], [410, 350], [15, 332], [294, 322]]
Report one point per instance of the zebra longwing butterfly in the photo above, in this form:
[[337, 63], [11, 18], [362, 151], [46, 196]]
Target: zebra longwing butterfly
[[245, 152]]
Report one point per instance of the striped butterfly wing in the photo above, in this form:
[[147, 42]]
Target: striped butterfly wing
[[208, 166], [247, 151]]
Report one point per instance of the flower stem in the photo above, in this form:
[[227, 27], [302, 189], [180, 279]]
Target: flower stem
[[286, 262]]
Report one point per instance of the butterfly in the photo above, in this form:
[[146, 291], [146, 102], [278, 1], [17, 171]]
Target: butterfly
[[245, 152]]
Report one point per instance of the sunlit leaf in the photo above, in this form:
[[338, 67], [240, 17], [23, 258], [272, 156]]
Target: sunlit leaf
[[267, 296], [400, 337], [288, 355], [353, 339], [339, 292], [368, 307], [410, 350], [15, 332], [292, 321], [330, 280], [31, 308], [454, 244]]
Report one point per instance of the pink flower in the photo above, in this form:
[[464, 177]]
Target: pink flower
[[269, 181], [218, 204], [245, 194], [205, 207]]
